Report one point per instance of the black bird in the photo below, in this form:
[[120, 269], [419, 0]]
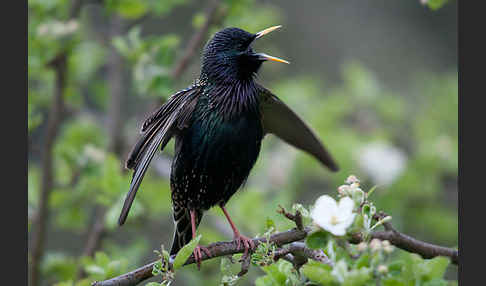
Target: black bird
[[218, 124]]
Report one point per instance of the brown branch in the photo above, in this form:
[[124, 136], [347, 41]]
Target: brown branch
[[297, 218], [410, 244], [294, 251], [298, 254], [97, 232], [55, 118], [196, 39], [245, 264], [54, 121], [217, 249], [115, 126]]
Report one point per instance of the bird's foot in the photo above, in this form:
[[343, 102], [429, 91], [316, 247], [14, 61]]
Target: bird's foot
[[247, 243], [198, 255]]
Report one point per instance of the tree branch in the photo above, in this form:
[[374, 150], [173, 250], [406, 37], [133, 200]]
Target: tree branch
[[196, 40], [410, 244], [40, 220], [298, 254], [295, 251], [217, 249]]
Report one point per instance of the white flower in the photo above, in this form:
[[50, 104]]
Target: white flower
[[333, 216]]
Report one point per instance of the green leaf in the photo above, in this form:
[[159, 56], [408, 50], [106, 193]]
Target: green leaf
[[435, 267], [130, 9], [153, 284], [317, 240], [157, 268], [270, 223], [225, 265], [395, 267], [340, 271], [318, 272], [264, 281], [95, 269], [393, 281], [277, 276], [363, 260], [357, 277], [436, 4], [368, 194], [185, 252], [436, 282]]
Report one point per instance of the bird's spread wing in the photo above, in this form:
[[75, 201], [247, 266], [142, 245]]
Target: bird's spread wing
[[156, 131], [280, 120]]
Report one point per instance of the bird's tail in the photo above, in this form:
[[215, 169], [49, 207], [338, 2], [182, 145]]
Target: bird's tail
[[183, 229]]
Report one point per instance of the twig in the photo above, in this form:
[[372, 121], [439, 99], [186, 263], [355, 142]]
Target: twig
[[295, 251], [297, 218], [410, 244], [55, 118], [115, 126], [54, 121], [217, 249], [300, 254], [196, 40], [97, 232], [245, 264]]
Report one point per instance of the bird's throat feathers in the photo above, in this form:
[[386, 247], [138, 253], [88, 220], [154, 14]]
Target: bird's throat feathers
[[233, 98]]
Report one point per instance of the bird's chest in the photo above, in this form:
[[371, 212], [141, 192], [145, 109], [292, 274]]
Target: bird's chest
[[214, 156]]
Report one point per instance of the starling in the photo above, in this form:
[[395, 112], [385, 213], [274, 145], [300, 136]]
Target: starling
[[218, 124]]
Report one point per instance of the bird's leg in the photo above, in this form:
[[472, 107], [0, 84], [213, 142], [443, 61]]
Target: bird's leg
[[247, 242], [197, 250]]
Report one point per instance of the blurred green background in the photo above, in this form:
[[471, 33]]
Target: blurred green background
[[376, 79]]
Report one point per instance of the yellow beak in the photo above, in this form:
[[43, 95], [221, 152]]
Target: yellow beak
[[265, 56], [266, 31]]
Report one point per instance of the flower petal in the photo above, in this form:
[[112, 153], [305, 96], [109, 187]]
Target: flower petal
[[336, 229], [345, 207], [324, 208]]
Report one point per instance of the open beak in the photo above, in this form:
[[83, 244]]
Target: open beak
[[265, 57], [266, 31]]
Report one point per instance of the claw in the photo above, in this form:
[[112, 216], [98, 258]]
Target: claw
[[247, 243], [198, 255]]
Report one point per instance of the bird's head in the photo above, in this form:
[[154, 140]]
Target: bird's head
[[229, 56]]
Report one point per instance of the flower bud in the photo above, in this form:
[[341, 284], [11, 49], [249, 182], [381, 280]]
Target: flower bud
[[358, 196], [387, 247], [352, 179], [343, 190], [362, 246], [375, 244], [382, 269]]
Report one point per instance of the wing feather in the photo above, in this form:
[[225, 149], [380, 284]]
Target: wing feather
[[279, 119], [156, 131]]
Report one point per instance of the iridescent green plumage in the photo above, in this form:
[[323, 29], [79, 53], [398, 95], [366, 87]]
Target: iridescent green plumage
[[218, 124]]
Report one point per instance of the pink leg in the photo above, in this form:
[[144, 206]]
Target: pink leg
[[247, 242], [197, 250]]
